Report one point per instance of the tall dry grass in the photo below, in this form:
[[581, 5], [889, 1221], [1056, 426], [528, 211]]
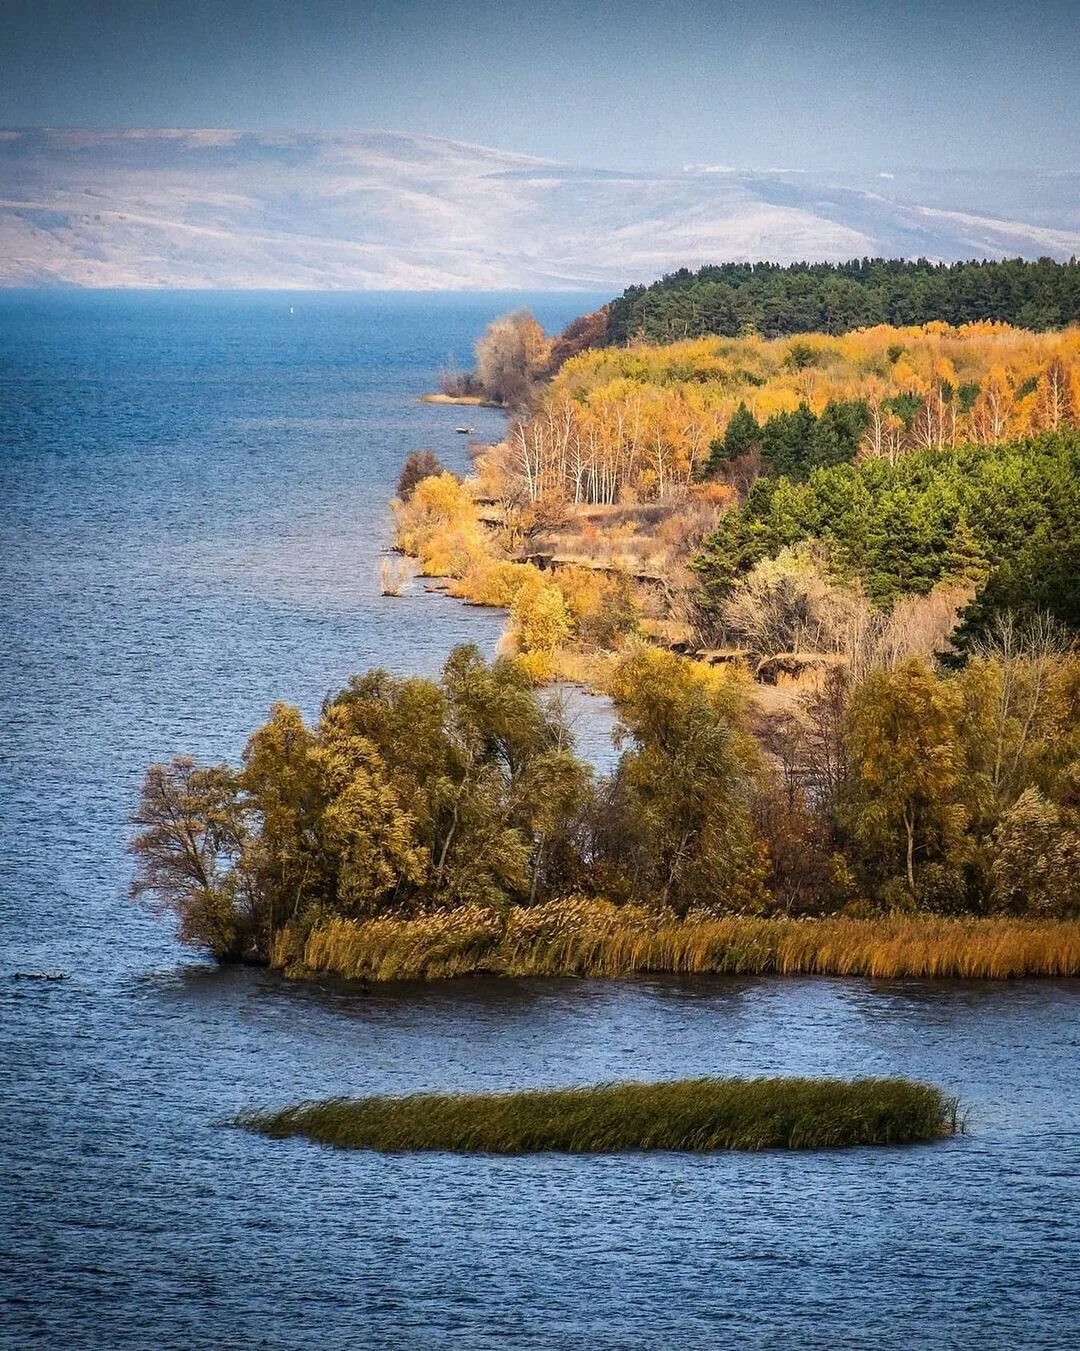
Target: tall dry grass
[[688, 1114], [580, 937]]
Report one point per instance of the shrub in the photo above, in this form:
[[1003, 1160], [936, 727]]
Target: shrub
[[539, 622]]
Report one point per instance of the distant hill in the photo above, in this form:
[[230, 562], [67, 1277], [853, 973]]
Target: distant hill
[[378, 210]]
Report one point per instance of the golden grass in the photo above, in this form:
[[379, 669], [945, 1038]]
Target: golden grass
[[688, 1114], [581, 937]]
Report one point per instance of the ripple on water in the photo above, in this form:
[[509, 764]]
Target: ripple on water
[[192, 500]]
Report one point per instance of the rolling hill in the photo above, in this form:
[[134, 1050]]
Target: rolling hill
[[380, 210]]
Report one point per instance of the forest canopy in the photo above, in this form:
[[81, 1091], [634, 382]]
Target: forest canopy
[[644, 423], [736, 299], [1005, 518]]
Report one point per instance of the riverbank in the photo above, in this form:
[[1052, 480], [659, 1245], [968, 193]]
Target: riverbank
[[593, 938], [697, 1115]]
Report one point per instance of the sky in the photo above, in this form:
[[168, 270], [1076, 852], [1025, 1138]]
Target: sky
[[631, 85]]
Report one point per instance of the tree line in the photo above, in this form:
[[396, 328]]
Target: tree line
[[908, 788], [734, 299], [646, 423]]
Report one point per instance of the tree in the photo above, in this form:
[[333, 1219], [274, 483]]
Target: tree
[[189, 851], [837, 433], [786, 441], [365, 829], [805, 875], [421, 464], [510, 358], [1056, 407], [284, 784], [901, 802], [1036, 866], [681, 824], [989, 419], [741, 437], [483, 773], [581, 334], [1021, 705], [539, 623], [513, 777]]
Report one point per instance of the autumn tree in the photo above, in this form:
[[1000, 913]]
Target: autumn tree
[[189, 850], [989, 422], [282, 777], [484, 770], [681, 825], [421, 464], [510, 358], [1020, 693], [581, 334], [366, 831], [1036, 863], [1056, 403], [901, 804]]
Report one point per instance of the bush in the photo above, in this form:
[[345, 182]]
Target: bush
[[539, 623]]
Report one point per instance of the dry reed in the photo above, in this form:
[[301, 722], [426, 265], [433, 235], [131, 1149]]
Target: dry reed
[[580, 937]]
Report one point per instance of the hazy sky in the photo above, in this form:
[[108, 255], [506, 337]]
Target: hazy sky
[[635, 84]]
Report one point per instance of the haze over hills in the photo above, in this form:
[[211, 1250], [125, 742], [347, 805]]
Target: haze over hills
[[379, 210]]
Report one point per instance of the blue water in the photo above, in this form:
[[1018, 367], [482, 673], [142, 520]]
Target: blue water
[[192, 504]]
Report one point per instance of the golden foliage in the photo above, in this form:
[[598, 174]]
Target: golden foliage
[[439, 525], [619, 424]]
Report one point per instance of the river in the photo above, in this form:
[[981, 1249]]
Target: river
[[192, 503]]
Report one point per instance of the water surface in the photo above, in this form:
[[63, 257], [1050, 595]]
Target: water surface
[[192, 501]]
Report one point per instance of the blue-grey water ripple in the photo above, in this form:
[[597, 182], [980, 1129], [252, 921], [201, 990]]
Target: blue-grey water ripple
[[192, 501]]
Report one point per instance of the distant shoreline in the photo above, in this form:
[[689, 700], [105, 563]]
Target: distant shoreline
[[465, 400]]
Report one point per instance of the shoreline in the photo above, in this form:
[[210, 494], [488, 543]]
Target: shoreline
[[460, 400]]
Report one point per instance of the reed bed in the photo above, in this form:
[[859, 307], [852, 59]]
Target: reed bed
[[689, 1114], [581, 937]]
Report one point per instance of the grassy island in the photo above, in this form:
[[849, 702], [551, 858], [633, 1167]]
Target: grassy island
[[689, 1114]]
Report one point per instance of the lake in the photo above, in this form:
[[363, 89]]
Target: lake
[[193, 500]]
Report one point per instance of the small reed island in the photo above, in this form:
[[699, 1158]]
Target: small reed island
[[691, 1114]]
